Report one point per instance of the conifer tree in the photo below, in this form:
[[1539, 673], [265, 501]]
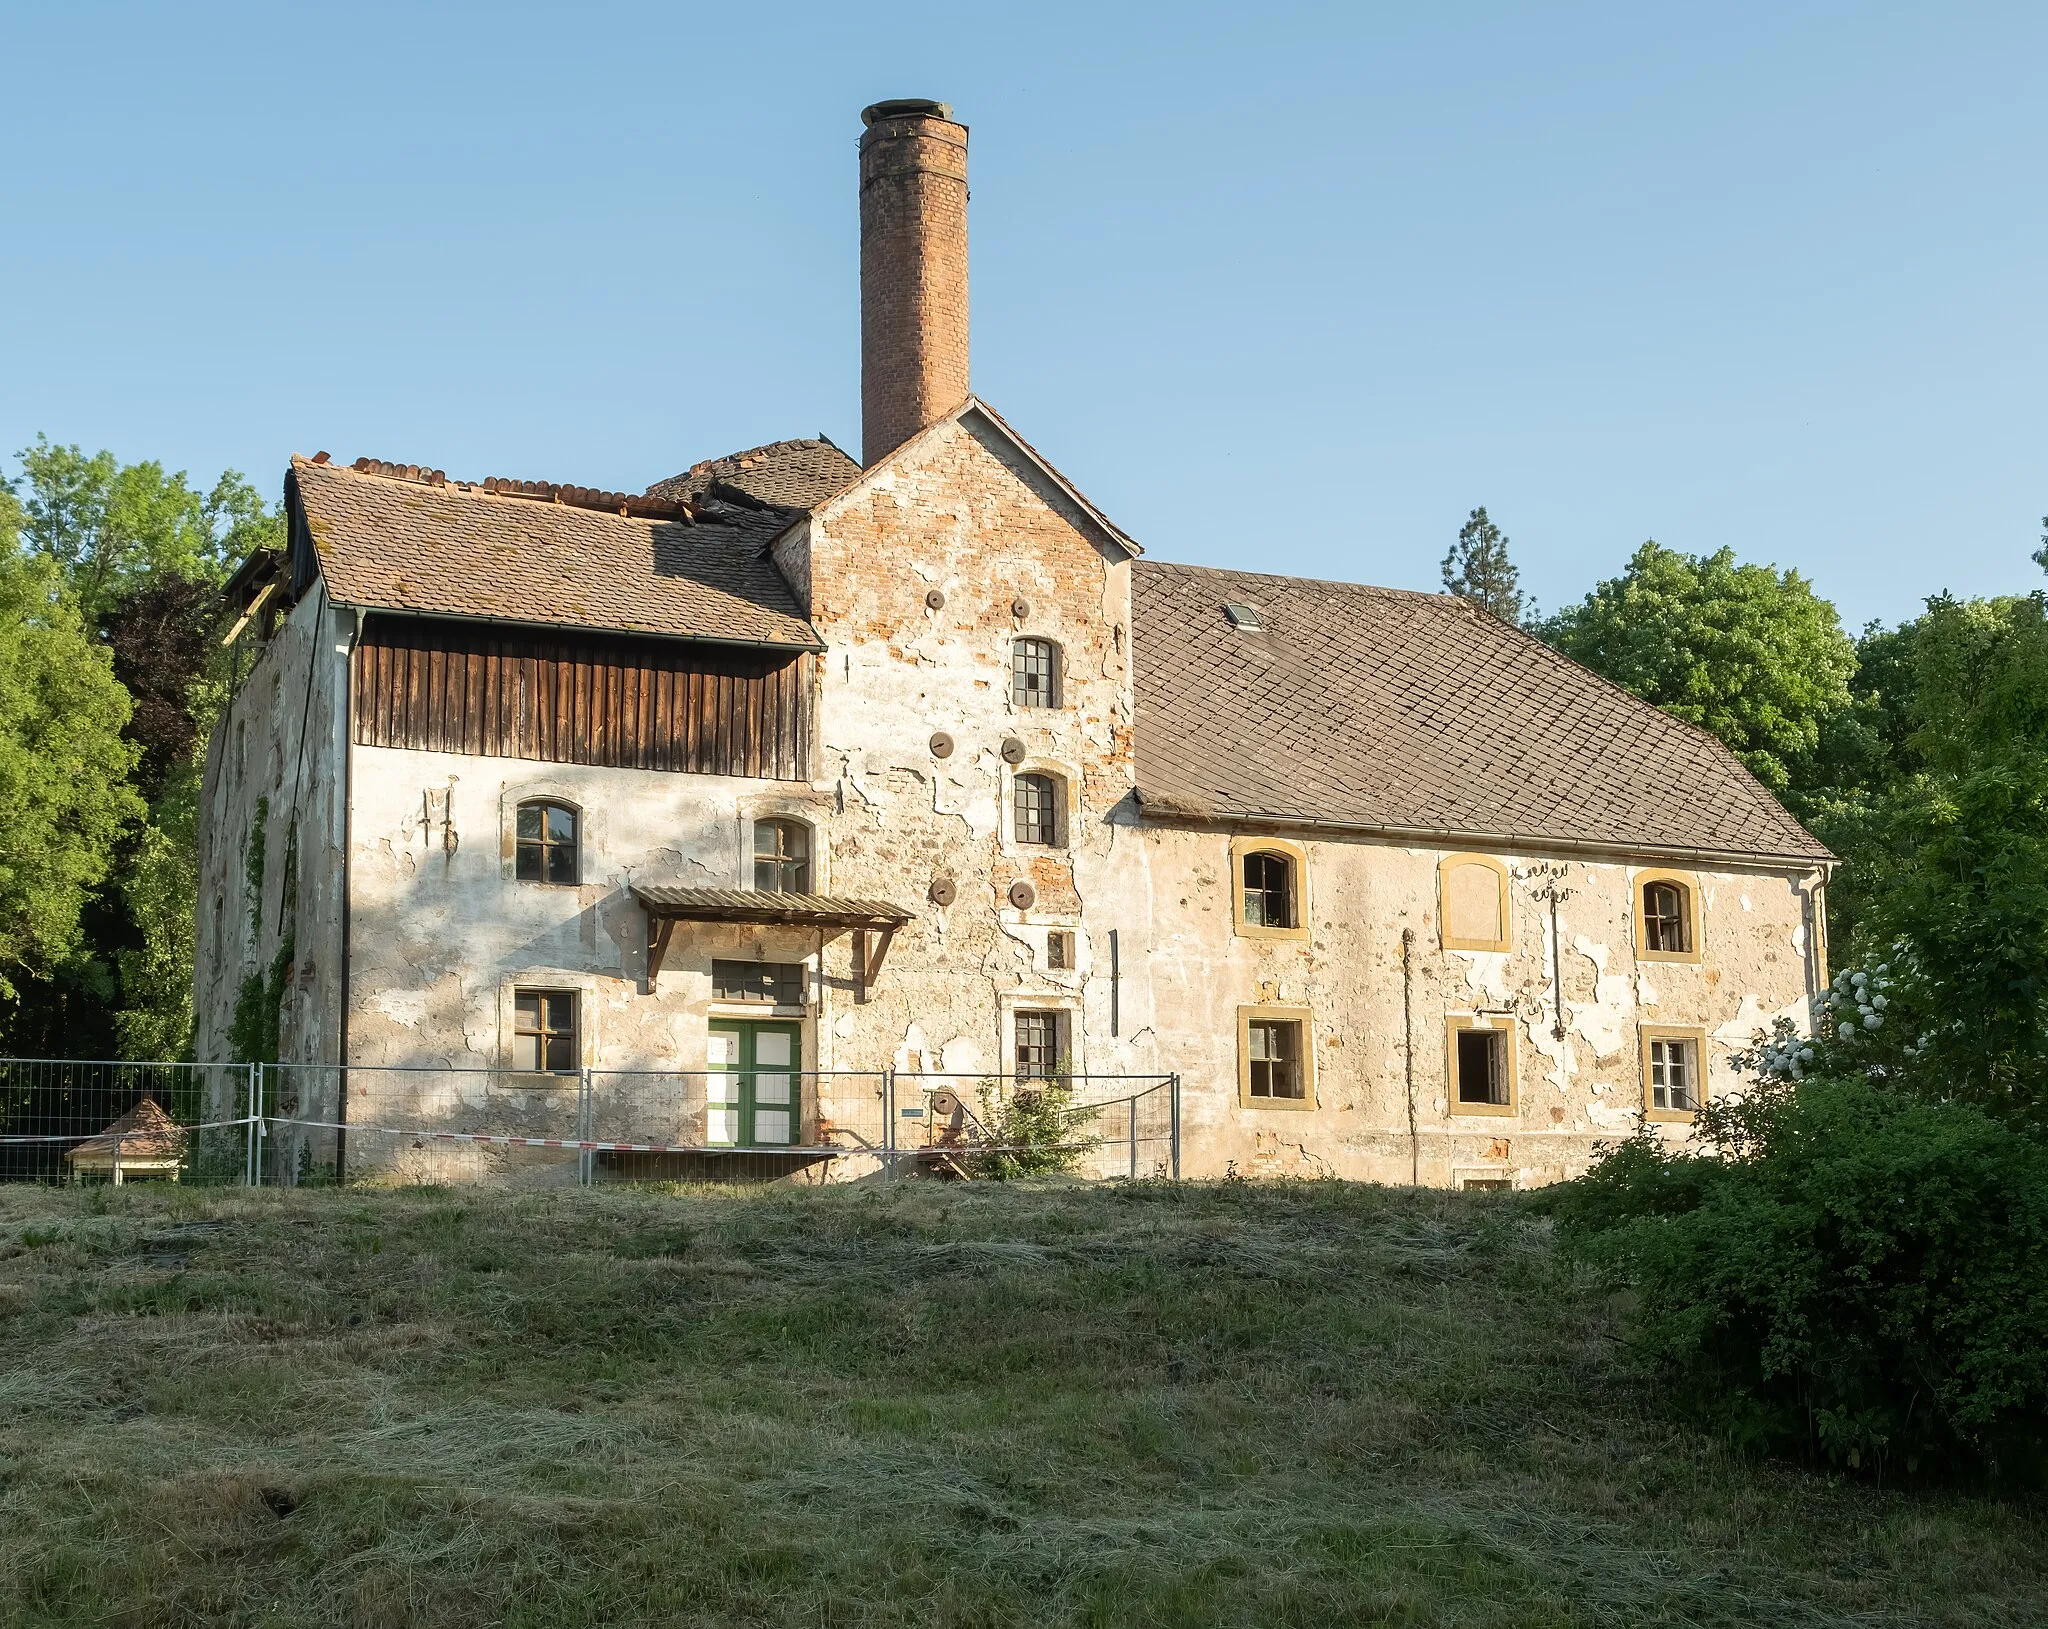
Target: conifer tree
[[1478, 569]]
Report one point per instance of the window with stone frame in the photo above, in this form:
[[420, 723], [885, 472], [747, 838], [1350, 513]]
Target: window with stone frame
[[782, 857], [1036, 807], [1674, 1074], [1269, 890], [544, 1031], [1482, 1060], [546, 846], [1274, 1053], [1034, 673], [1667, 918], [1041, 1037]]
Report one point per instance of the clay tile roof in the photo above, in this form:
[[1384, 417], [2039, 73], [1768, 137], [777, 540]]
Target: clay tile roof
[[1417, 713], [787, 475], [391, 539]]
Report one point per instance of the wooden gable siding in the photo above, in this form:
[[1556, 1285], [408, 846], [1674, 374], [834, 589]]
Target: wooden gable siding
[[581, 699]]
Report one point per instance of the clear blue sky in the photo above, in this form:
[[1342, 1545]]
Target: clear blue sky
[[1286, 288]]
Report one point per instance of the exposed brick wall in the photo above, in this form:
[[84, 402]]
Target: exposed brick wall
[[913, 278]]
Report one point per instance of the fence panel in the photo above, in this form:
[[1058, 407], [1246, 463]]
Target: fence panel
[[1096, 1126], [115, 1120]]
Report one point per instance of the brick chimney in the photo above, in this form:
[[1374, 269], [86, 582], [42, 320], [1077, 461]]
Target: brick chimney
[[913, 271]]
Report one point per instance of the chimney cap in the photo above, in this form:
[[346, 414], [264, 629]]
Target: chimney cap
[[906, 107]]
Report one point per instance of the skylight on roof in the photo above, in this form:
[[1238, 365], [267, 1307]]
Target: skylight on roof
[[1245, 617]]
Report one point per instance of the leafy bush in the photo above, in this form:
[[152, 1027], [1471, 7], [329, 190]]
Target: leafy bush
[[1034, 1131], [1840, 1272]]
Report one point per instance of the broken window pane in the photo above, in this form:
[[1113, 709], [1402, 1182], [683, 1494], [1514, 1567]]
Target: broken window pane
[[1038, 1045], [782, 857], [544, 1030], [1268, 890], [1665, 918], [1273, 1046], [1037, 809], [545, 848], [1033, 668]]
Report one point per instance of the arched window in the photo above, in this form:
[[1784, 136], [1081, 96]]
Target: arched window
[[1035, 673], [782, 857], [1667, 922], [545, 846], [1269, 890], [1036, 805], [1475, 902]]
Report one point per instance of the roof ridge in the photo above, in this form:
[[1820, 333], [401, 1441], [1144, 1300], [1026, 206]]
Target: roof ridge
[[1308, 582], [626, 505]]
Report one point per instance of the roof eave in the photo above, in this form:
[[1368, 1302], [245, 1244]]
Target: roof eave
[[374, 609], [1172, 811]]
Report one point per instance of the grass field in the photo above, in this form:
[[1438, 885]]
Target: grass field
[[934, 1405]]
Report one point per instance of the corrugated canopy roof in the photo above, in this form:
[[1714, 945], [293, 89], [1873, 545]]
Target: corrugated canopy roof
[[738, 905], [1417, 713]]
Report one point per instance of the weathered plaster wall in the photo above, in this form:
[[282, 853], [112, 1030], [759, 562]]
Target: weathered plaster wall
[[960, 515], [1572, 1092], [279, 749]]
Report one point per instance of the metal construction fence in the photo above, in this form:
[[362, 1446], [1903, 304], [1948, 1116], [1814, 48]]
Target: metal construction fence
[[84, 1120]]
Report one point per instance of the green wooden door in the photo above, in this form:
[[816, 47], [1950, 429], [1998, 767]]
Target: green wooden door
[[754, 1097]]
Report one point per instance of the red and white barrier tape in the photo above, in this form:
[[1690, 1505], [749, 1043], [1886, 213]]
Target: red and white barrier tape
[[574, 1143], [135, 1135]]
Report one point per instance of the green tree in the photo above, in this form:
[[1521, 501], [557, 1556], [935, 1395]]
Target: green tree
[[1745, 651], [1478, 569], [115, 527], [142, 554], [65, 800]]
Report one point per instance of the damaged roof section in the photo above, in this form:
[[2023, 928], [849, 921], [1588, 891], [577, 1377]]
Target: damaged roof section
[[391, 540], [1397, 712]]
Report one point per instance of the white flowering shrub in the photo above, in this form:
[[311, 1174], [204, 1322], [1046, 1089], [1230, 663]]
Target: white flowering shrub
[[1849, 1034]]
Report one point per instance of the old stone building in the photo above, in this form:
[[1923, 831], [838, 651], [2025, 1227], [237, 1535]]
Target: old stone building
[[721, 799]]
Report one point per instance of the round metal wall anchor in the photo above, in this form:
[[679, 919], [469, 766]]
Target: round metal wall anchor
[[944, 890], [1023, 895], [1020, 608], [935, 600], [1013, 750], [942, 744]]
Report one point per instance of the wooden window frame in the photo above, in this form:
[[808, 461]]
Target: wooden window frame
[[544, 843], [1062, 953], [574, 1031], [1305, 1018], [1054, 677], [1241, 849], [781, 823], [1695, 918], [1451, 941], [1697, 1035], [1456, 1024]]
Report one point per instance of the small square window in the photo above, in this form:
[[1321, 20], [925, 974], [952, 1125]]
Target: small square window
[[1059, 951], [544, 1031], [1674, 1074], [1039, 1037], [1481, 1057], [1274, 1048], [1034, 673], [545, 847]]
